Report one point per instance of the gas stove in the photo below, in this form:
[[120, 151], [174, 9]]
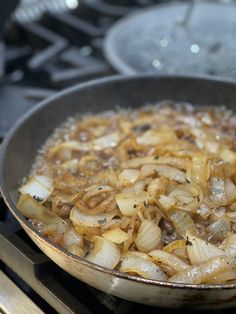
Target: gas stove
[[45, 47]]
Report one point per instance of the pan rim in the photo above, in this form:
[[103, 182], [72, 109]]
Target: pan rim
[[12, 206]]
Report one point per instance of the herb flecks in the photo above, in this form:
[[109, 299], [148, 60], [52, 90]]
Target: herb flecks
[[188, 242]]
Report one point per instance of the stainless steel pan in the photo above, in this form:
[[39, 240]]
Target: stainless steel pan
[[19, 150]]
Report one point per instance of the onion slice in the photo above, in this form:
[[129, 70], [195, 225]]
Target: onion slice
[[71, 237], [110, 140], [72, 145], [182, 222], [171, 173], [105, 253], [80, 218], [168, 259], [38, 186], [178, 244], [199, 250], [128, 176], [128, 202], [148, 237], [31, 209], [142, 267], [116, 235], [229, 244], [138, 161], [166, 202], [205, 271], [218, 194], [230, 190]]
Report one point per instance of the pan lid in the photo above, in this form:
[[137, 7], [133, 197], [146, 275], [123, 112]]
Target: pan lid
[[178, 38]]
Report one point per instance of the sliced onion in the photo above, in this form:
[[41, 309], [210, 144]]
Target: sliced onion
[[171, 173], [116, 235], [178, 162], [148, 170], [142, 267], [199, 169], [232, 216], [199, 250], [227, 155], [96, 190], [223, 277], [39, 187], [157, 186], [138, 162], [128, 203], [80, 218], [148, 237], [187, 196], [31, 209], [137, 253], [163, 135], [105, 253], [72, 145], [218, 195], [211, 146], [76, 250], [87, 232], [128, 176], [178, 244], [229, 244], [166, 202], [168, 259], [219, 229], [71, 165], [139, 187], [233, 207], [165, 171], [230, 190], [204, 271], [204, 211], [71, 237], [114, 223], [182, 222], [110, 140], [125, 221]]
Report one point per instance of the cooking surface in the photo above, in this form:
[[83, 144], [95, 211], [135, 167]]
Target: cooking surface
[[45, 48]]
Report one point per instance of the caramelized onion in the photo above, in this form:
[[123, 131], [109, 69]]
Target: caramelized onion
[[105, 253], [142, 267], [148, 237], [151, 191]]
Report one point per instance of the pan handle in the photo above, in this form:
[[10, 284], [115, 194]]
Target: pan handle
[[38, 271]]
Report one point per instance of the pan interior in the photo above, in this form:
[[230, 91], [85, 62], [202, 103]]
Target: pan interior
[[20, 148]]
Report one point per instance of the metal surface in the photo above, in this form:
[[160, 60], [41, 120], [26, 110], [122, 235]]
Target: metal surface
[[6, 9], [20, 148], [119, 8], [48, 51], [159, 40], [13, 300], [37, 271]]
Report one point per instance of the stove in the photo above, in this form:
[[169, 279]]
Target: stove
[[45, 47]]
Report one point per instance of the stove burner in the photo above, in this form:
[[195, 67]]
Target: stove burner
[[119, 8]]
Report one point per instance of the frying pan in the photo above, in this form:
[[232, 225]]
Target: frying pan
[[20, 147]]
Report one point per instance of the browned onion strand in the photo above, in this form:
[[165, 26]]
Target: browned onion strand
[[149, 192]]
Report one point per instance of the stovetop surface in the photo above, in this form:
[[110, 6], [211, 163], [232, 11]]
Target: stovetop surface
[[43, 49]]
